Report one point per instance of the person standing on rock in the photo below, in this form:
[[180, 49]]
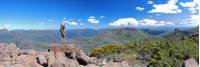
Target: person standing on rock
[[63, 33]]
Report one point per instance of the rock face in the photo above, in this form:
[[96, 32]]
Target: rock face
[[191, 62], [57, 56], [10, 57], [73, 53], [69, 54]]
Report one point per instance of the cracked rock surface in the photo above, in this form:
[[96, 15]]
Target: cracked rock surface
[[57, 56]]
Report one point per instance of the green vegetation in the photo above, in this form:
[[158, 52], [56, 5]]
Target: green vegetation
[[165, 52]]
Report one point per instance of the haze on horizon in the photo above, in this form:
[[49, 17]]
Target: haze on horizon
[[49, 14]]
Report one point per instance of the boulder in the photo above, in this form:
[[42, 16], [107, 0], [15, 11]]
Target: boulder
[[1, 65], [191, 62], [17, 65], [13, 50], [27, 61], [59, 60], [9, 51], [42, 59], [8, 54], [118, 60], [93, 60], [50, 59], [28, 52], [73, 52]]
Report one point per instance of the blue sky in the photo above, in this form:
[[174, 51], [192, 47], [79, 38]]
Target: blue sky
[[49, 14]]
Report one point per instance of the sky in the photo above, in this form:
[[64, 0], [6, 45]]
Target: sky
[[77, 14]]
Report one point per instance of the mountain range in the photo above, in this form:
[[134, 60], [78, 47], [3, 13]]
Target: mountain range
[[84, 38]]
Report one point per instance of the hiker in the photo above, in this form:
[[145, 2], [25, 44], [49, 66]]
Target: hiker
[[63, 33]]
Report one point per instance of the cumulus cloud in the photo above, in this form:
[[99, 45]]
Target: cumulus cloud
[[197, 3], [169, 7], [151, 22], [148, 22], [7, 26], [92, 19], [81, 24], [187, 4], [101, 17], [144, 22], [76, 22], [140, 8], [149, 2], [73, 23], [64, 18], [65, 21], [191, 6], [194, 20], [124, 22], [79, 20]]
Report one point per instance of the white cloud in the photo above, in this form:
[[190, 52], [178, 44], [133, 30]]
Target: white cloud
[[79, 20], [191, 6], [194, 20], [157, 14], [144, 22], [151, 22], [101, 17], [65, 21], [73, 23], [92, 19], [124, 22], [148, 22], [7, 26], [64, 18], [81, 24], [187, 4], [170, 23], [169, 7], [140, 8], [198, 4], [149, 2]]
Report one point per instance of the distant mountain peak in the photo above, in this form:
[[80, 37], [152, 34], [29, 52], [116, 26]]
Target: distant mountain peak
[[4, 29]]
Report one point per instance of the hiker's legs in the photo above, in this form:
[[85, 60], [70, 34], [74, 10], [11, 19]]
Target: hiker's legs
[[63, 39]]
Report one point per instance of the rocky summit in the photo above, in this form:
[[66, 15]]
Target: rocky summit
[[57, 56]]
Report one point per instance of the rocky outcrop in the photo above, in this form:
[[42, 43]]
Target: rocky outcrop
[[10, 57], [57, 56], [191, 62], [72, 52], [8, 51]]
